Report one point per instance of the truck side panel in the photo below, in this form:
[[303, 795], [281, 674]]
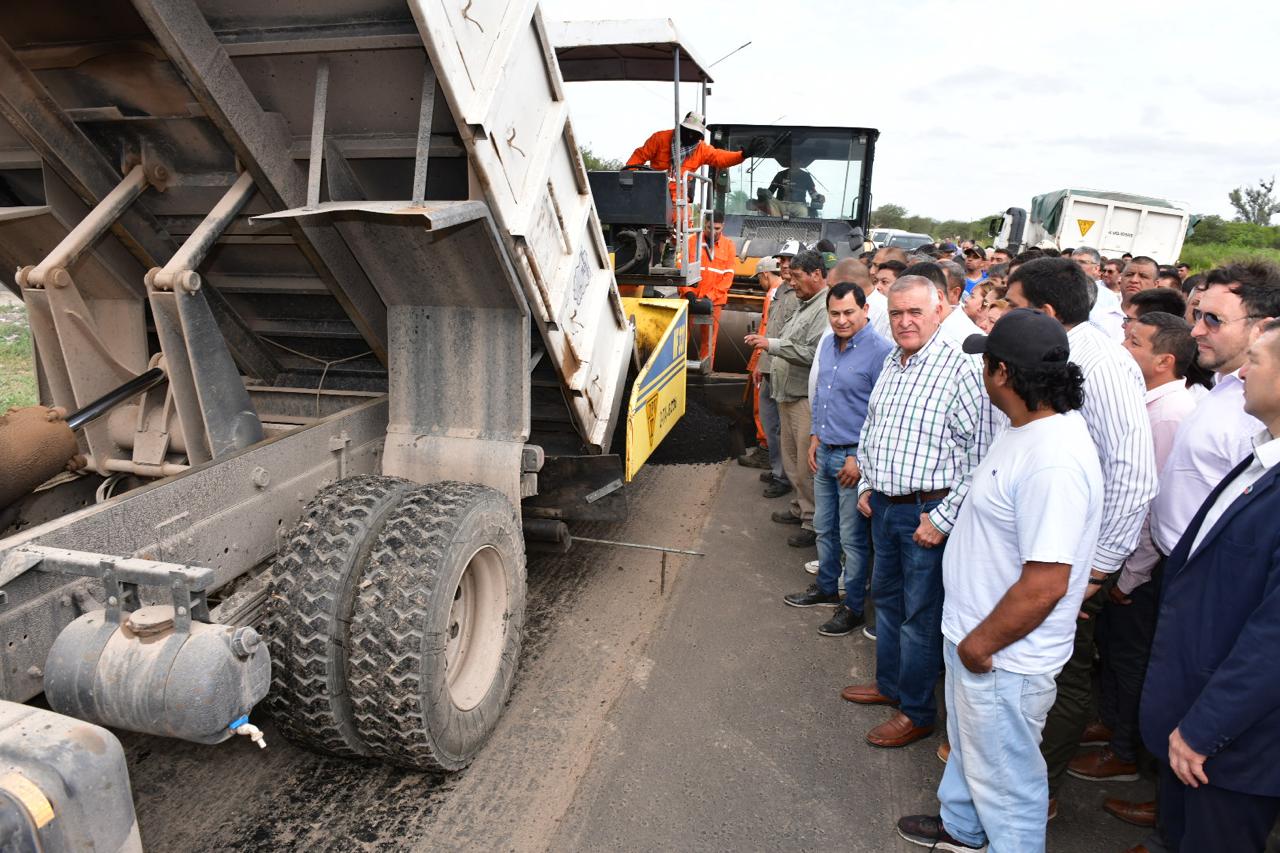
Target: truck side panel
[[497, 69]]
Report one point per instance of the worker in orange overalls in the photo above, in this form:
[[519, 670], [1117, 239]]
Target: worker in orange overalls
[[767, 274], [717, 256], [694, 153]]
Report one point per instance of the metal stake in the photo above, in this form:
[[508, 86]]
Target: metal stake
[[638, 545]]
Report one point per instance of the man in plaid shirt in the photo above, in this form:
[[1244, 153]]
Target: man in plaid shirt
[[928, 423]]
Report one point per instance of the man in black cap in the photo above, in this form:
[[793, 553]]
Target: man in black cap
[[1014, 575]]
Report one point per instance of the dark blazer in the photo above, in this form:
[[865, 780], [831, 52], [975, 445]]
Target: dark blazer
[[1214, 671]]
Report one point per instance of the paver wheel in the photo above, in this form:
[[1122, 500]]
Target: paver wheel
[[436, 624], [309, 606]]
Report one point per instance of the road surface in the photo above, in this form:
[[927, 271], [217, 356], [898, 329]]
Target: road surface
[[687, 712]]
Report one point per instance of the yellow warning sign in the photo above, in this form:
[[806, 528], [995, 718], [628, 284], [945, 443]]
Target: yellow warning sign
[[1085, 225]]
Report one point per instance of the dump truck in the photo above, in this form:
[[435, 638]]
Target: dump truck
[[326, 332], [1111, 222]]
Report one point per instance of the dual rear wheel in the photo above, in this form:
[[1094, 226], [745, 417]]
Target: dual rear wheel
[[395, 621]]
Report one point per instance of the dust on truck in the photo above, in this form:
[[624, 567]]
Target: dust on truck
[[325, 330]]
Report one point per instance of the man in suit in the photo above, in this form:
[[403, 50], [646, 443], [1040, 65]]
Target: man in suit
[[1211, 700]]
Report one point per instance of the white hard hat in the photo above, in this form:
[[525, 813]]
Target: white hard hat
[[694, 121]]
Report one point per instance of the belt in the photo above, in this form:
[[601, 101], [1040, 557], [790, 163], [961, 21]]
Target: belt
[[853, 446], [917, 497]]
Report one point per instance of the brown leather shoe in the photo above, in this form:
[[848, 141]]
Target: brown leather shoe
[[1095, 734], [1138, 814], [944, 751], [865, 694], [1102, 765], [897, 731]]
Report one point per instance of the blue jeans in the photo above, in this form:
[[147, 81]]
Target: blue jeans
[[840, 526], [772, 423], [907, 590], [996, 786]]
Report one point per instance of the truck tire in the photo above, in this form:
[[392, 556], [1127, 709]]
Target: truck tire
[[436, 626], [309, 606]]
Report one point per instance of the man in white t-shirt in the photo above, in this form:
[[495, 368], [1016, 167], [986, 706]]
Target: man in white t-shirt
[[1014, 575]]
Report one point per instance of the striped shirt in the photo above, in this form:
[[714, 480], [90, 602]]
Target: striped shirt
[[928, 424], [1115, 411]]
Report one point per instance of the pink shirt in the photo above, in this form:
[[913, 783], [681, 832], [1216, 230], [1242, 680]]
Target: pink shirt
[[1167, 405]]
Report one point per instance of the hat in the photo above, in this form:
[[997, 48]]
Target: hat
[[949, 247], [694, 121], [768, 265], [1026, 337], [789, 249], [829, 260], [975, 252]]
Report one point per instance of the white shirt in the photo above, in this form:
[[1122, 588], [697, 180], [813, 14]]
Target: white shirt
[[1266, 453], [1114, 409], [1167, 406], [1211, 441], [878, 313], [957, 326], [1035, 497], [1107, 314]]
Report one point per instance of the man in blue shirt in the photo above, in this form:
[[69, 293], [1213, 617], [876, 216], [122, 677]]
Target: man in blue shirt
[[975, 268], [846, 365]]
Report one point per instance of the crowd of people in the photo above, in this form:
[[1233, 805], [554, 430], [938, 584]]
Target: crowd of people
[[1044, 473]]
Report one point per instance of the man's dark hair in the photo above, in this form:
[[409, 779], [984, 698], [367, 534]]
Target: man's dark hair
[[1026, 256], [931, 271], [998, 271], [843, 289], [1192, 282], [1175, 281], [718, 217], [1159, 299], [1172, 336], [808, 261], [1257, 283], [1058, 282], [824, 245], [1113, 262], [1066, 253], [1127, 256], [1058, 385], [896, 266], [1052, 253], [1143, 259]]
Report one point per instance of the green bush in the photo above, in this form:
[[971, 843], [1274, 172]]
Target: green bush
[[17, 375], [1204, 257]]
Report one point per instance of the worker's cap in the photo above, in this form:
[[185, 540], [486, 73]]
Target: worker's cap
[[949, 247], [694, 121], [768, 265], [976, 252], [1026, 337], [1046, 243], [789, 249]]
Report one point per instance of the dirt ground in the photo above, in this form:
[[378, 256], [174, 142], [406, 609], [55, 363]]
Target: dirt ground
[[591, 614]]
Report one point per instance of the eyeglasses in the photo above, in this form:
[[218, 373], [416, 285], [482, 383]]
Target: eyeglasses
[[1213, 322]]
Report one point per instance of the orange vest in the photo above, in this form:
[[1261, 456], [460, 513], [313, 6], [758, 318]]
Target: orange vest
[[717, 269]]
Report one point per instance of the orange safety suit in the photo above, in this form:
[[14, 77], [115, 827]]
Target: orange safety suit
[[656, 152], [717, 278], [761, 438]]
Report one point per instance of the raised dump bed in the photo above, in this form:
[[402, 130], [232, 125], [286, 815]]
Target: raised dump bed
[[325, 328]]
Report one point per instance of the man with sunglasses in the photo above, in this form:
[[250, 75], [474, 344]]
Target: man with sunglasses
[[1218, 434]]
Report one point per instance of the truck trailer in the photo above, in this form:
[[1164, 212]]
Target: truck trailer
[[325, 330]]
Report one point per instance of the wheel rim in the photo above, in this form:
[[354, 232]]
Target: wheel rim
[[476, 630]]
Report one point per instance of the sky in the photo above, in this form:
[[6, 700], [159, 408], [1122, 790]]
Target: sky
[[982, 106]]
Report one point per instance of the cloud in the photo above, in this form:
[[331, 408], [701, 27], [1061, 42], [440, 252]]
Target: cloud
[[982, 110]]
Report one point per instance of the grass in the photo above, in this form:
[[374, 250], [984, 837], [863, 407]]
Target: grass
[[1205, 256], [17, 373]]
